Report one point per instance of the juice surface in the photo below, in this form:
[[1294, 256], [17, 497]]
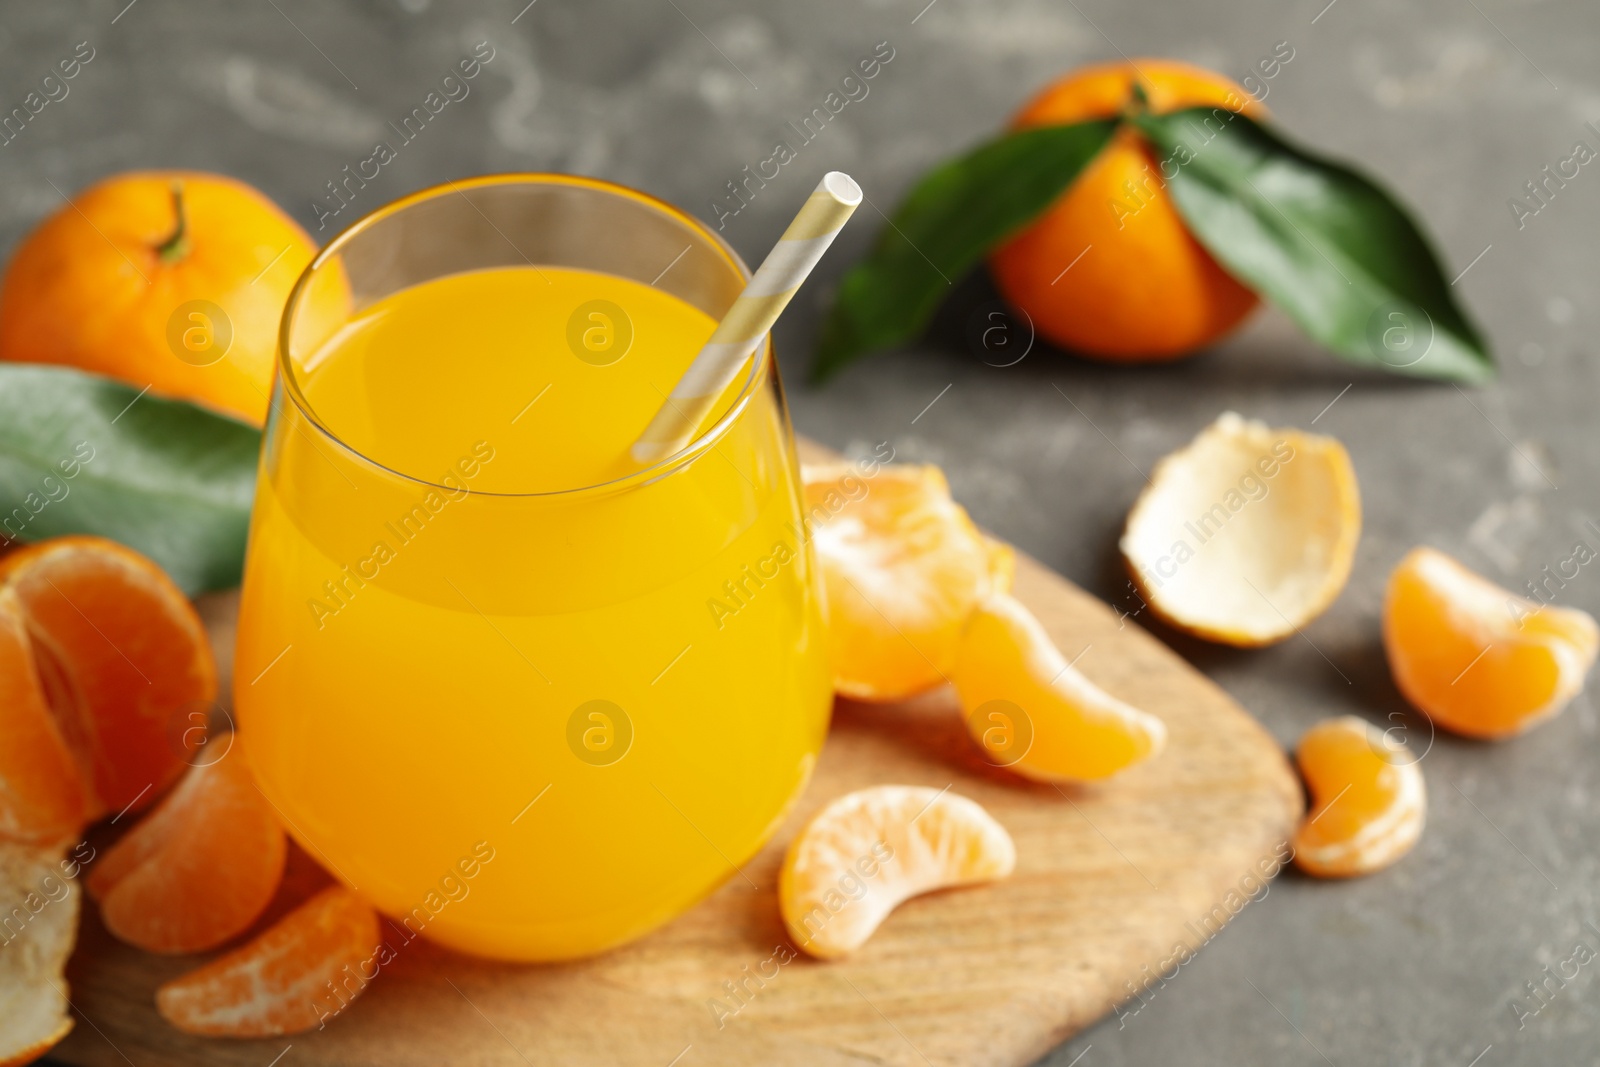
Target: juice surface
[[560, 369], [528, 726]]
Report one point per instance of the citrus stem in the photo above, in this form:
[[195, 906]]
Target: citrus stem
[[1137, 103], [176, 246]]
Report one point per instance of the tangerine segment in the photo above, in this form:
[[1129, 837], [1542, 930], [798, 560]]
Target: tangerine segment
[[42, 793], [902, 566], [123, 657], [279, 982], [1032, 711], [41, 925], [865, 853], [1247, 533], [199, 870], [1369, 799], [1478, 659]]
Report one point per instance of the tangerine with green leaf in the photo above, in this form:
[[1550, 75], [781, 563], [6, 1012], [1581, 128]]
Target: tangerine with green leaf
[[172, 280], [1138, 211], [1110, 269]]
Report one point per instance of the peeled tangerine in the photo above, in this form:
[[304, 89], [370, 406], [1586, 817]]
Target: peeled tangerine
[[101, 657], [1368, 799], [199, 869], [1246, 534], [869, 851], [40, 926], [300, 971], [902, 566], [1479, 659], [1034, 712]]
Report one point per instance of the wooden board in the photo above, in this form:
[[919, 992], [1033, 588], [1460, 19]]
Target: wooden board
[[1110, 880]]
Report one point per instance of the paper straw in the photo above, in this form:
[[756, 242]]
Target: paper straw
[[740, 332]]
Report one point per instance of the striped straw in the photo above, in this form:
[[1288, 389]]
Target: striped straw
[[740, 332]]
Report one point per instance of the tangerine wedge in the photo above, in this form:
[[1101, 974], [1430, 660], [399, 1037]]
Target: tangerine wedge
[[1247, 533], [1368, 799], [122, 657], [867, 852], [1032, 711], [902, 567], [296, 973], [1478, 659], [199, 869], [43, 797], [35, 941]]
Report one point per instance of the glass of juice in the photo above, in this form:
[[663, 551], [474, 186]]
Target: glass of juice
[[530, 699]]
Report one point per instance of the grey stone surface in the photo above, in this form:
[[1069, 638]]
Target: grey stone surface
[[1456, 103]]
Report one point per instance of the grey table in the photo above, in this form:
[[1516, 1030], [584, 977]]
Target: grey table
[[1457, 103]]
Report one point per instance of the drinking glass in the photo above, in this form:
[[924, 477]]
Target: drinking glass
[[531, 725]]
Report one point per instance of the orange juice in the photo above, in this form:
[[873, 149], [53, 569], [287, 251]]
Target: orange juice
[[529, 701]]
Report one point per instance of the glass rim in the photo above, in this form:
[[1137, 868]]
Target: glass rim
[[761, 365]]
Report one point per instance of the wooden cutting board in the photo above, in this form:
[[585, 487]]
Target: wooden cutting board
[[1110, 880]]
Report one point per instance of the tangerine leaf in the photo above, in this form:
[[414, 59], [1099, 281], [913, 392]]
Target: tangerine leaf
[[956, 213], [1325, 243], [80, 453]]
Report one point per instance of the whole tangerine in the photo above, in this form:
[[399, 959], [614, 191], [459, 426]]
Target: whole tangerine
[[171, 280], [1110, 270]]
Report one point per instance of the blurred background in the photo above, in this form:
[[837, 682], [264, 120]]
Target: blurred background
[[1456, 104]]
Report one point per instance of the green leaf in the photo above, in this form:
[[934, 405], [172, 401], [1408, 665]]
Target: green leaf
[[1329, 246], [958, 212], [85, 454]]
